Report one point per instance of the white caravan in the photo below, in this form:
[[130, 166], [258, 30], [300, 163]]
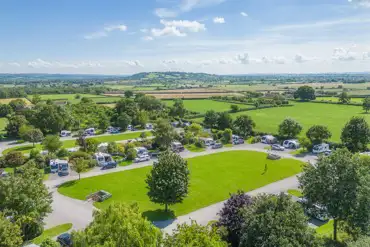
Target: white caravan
[[292, 144], [268, 139], [321, 148]]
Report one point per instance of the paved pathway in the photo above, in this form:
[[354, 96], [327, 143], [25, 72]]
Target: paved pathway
[[68, 210]]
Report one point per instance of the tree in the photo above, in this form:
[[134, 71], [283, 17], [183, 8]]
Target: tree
[[243, 125], [141, 119], [52, 143], [178, 109], [305, 93], [193, 235], [14, 159], [344, 98], [356, 134], [318, 133], [123, 121], [36, 98], [5, 110], [362, 242], [210, 119], [10, 234], [129, 93], [275, 221], [231, 218], [164, 133], [123, 226], [224, 121], [91, 145], [143, 135], [33, 135], [195, 129], [112, 148], [305, 143], [366, 104], [49, 243], [131, 153], [234, 108], [14, 124], [25, 199], [127, 106], [17, 104], [256, 104], [168, 181], [227, 136], [333, 183], [79, 165], [77, 96], [289, 128]]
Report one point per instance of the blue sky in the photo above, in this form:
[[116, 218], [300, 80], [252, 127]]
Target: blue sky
[[214, 36]]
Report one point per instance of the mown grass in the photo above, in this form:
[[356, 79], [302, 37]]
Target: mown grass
[[326, 230], [202, 106], [212, 178], [193, 148], [52, 232], [296, 193]]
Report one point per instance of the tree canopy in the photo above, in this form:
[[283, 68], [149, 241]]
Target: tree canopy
[[318, 133], [243, 125], [356, 134], [290, 128], [164, 133], [305, 93], [10, 234]]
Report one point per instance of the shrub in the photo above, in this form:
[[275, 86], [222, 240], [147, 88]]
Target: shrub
[[199, 144], [62, 153], [256, 139], [131, 154]]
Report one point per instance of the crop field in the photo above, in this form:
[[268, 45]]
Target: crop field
[[72, 97], [202, 106], [212, 178], [191, 95], [335, 99], [6, 101]]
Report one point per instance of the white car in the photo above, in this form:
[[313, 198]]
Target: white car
[[277, 147], [142, 159]]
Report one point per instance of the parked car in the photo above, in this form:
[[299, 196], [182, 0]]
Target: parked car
[[217, 145], [109, 165], [142, 158], [238, 141], [277, 147], [314, 210], [65, 240]]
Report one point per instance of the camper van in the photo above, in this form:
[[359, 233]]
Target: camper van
[[268, 139], [103, 159], [59, 166], [177, 147], [292, 144], [90, 131], [149, 126], [207, 141], [321, 148], [65, 133]]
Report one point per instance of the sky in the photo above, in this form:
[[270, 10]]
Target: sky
[[213, 36]]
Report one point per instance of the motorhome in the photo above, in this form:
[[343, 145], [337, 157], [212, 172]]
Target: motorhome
[[57, 165], [141, 151], [90, 131], [236, 140], [103, 159], [131, 128], [113, 130], [177, 147], [65, 133], [207, 141], [292, 144], [321, 148], [149, 126], [268, 139]]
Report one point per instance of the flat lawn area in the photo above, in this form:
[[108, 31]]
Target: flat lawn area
[[65, 96], [335, 99], [71, 143], [52, 232], [202, 106], [326, 230], [193, 148], [212, 178]]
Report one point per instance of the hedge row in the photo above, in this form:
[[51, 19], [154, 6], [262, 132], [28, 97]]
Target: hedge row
[[329, 102]]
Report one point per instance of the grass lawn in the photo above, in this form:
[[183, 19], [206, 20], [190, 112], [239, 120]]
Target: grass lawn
[[307, 114], [193, 148], [229, 145], [335, 99], [6, 101], [296, 193], [125, 163], [71, 143], [326, 230], [212, 178], [3, 123], [202, 106], [52, 232]]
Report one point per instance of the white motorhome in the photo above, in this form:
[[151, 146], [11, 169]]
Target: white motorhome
[[207, 141], [103, 158], [65, 133], [141, 151], [149, 126], [177, 147], [268, 139], [58, 165], [292, 144], [103, 147], [321, 148], [90, 131]]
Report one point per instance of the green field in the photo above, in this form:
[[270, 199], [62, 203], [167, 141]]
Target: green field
[[202, 106], [72, 97], [52, 232], [71, 143], [212, 178], [335, 99]]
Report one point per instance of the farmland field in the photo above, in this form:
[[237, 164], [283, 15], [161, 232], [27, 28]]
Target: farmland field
[[212, 178], [307, 114], [335, 99], [202, 106], [6, 101], [72, 97]]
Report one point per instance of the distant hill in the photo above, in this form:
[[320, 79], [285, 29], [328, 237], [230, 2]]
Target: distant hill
[[173, 76]]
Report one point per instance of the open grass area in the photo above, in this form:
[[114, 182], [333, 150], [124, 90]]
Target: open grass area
[[202, 106], [71, 143], [335, 99], [326, 230], [72, 97], [193, 148], [52, 232], [296, 193], [212, 178], [6, 101]]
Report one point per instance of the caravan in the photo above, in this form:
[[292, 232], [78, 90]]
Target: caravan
[[292, 144], [90, 131], [104, 159], [207, 141], [268, 139], [59, 166], [321, 148]]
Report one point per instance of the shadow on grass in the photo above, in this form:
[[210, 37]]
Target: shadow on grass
[[166, 218], [68, 184]]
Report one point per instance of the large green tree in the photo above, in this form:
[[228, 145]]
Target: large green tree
[[118, 225], [17, 104], [224, 121], [193, 235], [129, 93], [10, 234], [14, 159], [318, 133], [79, 165], [5, 110], [168, 181], [15, 122], [305, 93], [362, 242], [164, 133], [123, 121], [178, 109], [356, 134], [33, 135], [290, 128], [366, 104], [334, 182], [52, 143], [344, 98], [243, 125], [210, 119], [275, 221]]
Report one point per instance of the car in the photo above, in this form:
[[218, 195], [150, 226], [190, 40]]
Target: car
[[109, 165], [238, 141], [313, 210], [142, 159], [277, 147], [217, 145], [65, 240]]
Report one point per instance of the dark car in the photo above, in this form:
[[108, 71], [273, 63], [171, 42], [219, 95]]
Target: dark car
[[65, 240], [109, 165], [217, 145]]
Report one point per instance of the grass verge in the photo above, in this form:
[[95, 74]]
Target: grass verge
[[52, 232], [193, 148], [296, 193]]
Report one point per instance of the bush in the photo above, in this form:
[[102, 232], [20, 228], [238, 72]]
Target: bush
[[92, 163], [34, 152], [62, 153], [256, 139], [131, 154], [199, 144]]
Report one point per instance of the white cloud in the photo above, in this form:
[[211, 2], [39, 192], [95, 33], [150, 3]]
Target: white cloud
[[366, 55], [104, 33], [362, 3], [243, 58], [115, 27], [165, 13], [244, 14], [39, 63], [192, 26], [342, 54], [167, 31], [185, 6], [219, 20], [144, 30], [96, 35], [298, 58], [15, 64], [147, 38], [135, 63]]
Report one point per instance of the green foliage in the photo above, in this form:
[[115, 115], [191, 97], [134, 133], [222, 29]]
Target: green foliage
[[195, 129], [275, 221], [118, 225], [112, 148], [366, 104], [62, 153], [5, 110], [243, 125], [91, 145], [129, 93], [305, 143], [210, 119], [344, 98], [334, 182], [24, 197], [10, 234], [143, 135], [14, 159], [234, 108], [36, 98], [164, 133], [123, 121], [224, 121], [289, 128], [193, 235], [14, 124], [305, 93], [131, 153], [141, 118], [52, 143], [127, 106], [49, 243], [168, 180], [227, 136], [149, 103], [356, 134], [362, 242], [33, 135], [17, 104], [79, 165], [178, 109], [318, 133]]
